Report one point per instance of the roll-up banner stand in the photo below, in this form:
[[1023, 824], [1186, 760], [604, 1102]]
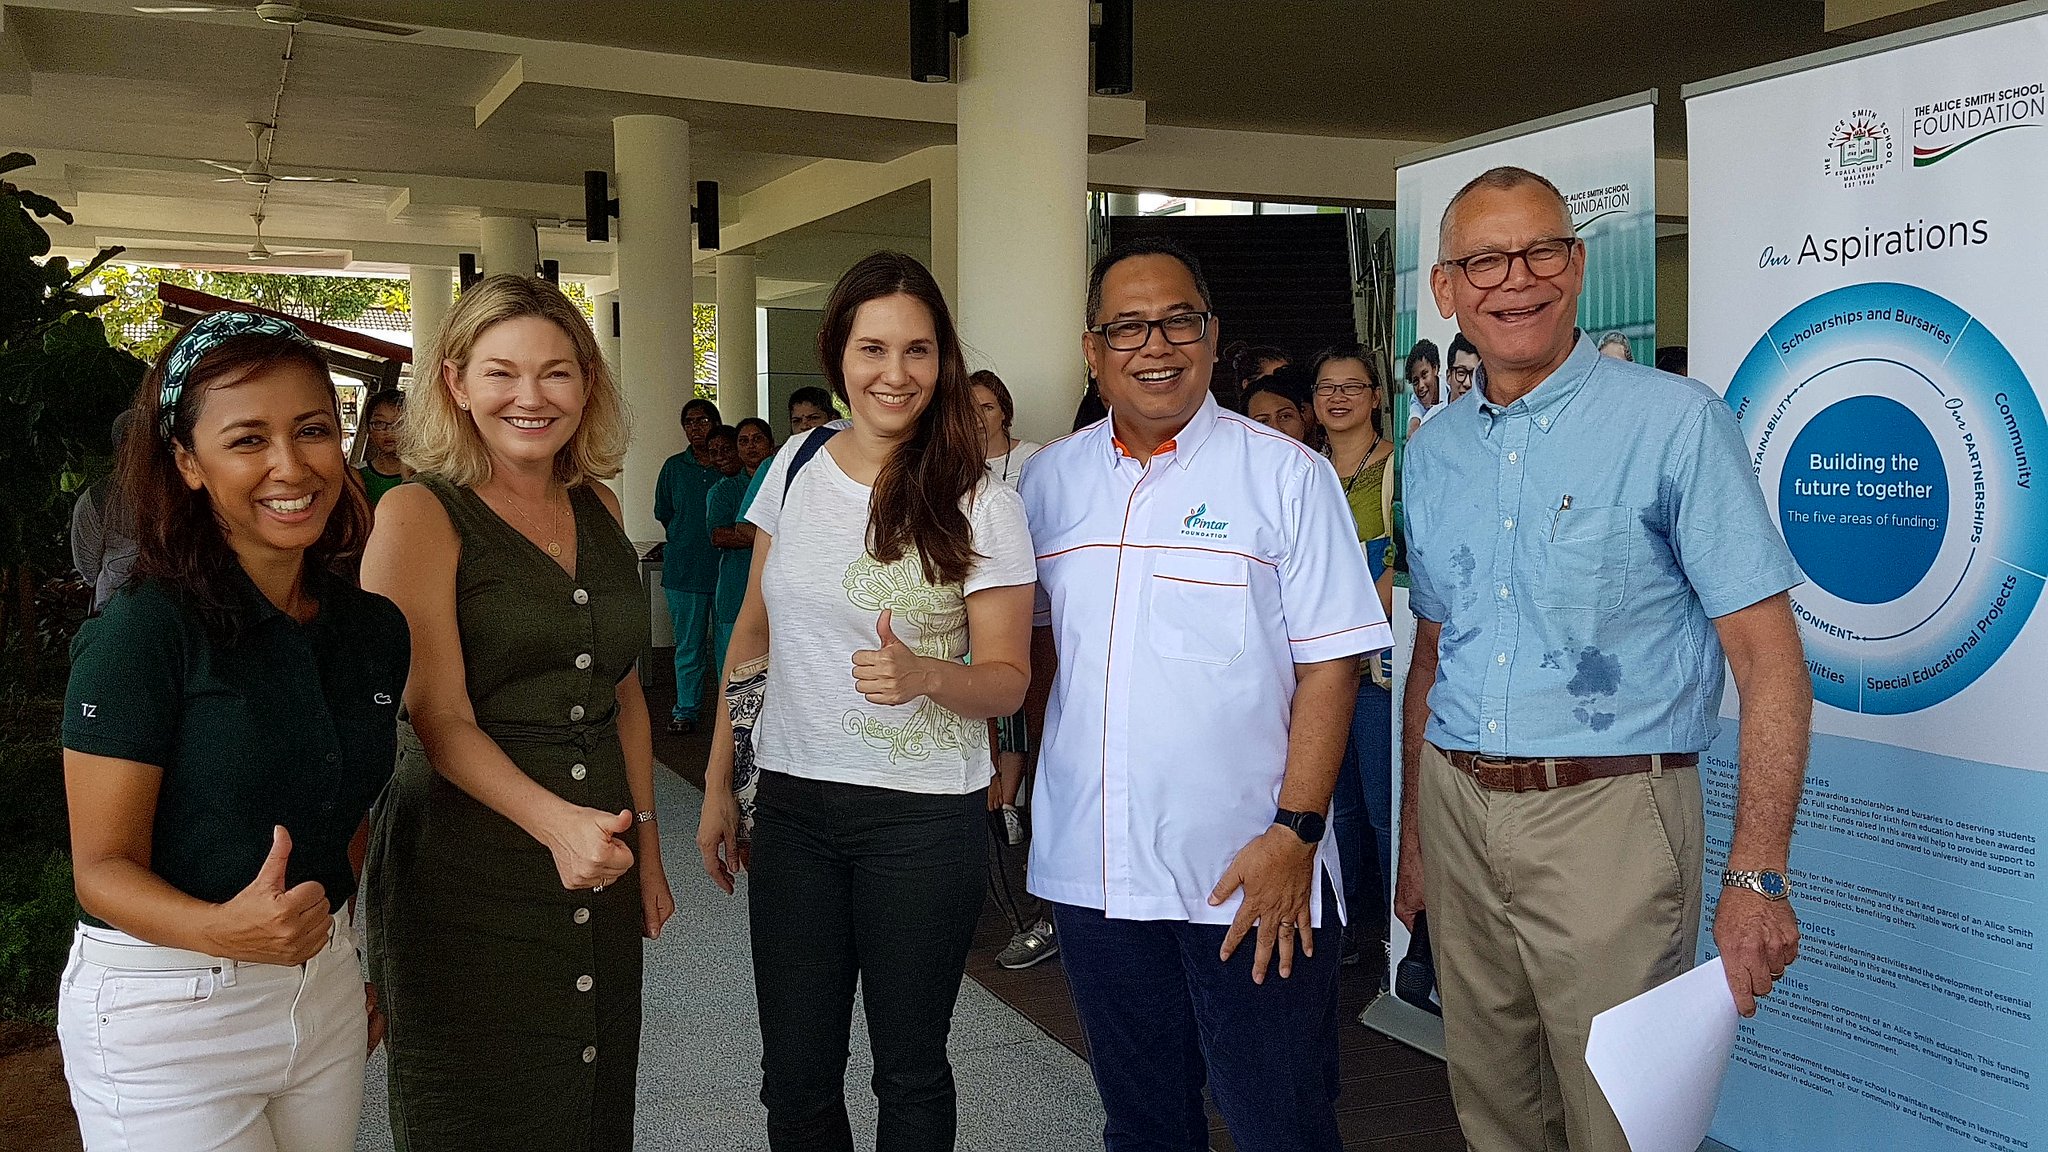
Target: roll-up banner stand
[[1869, 232], [1603, 160]]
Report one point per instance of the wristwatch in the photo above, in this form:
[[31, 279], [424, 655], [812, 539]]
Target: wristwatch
[[1307, 825], [1768, 884]]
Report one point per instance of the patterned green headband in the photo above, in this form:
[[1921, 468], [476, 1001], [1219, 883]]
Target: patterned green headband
[[208, 334]]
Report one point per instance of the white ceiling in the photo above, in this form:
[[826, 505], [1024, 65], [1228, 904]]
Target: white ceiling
[[500, 105]]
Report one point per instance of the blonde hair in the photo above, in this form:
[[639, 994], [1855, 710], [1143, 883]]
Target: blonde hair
[[440, 438]]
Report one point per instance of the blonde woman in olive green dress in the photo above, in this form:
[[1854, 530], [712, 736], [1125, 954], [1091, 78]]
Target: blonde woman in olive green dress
[[515, 863]]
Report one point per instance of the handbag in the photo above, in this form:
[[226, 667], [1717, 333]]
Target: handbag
[[746, 689]]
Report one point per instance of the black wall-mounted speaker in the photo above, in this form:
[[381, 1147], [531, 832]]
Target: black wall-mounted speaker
[[598, 206], [933, 24], [706, 215], [615, 319], [1113, 49], [467, 271], [551, 271]]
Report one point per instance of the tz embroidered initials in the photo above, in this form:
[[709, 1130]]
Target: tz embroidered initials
[[90, 710]]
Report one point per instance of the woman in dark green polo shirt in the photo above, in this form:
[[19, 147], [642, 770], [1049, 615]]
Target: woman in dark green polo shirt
[[515, 864], [229, 721]]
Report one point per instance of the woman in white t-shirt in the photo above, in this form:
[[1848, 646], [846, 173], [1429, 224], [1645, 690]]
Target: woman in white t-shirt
[[992, 403], [886, 556]]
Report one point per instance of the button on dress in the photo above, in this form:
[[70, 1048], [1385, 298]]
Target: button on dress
[[514, 1004]]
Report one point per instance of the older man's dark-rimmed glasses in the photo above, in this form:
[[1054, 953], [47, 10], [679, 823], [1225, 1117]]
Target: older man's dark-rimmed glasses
[[1544, 259], [1131, 335]]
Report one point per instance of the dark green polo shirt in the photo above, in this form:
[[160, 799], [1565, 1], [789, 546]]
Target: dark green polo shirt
[[292, 724]]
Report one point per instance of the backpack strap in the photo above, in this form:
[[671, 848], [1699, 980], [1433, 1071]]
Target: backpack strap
[[804, 452]]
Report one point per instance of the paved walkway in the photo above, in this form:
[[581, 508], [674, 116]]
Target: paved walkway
[[700, 1055]]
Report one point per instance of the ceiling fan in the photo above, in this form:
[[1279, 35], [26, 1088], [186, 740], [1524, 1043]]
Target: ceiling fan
[[258, 252], [258, 173], [290, 15]]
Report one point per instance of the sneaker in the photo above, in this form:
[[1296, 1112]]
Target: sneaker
[[1013, 828], [682, 726], [1029, 947]]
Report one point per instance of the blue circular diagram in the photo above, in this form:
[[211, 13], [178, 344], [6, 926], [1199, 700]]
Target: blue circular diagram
[[1896, 463], [1894, 437]]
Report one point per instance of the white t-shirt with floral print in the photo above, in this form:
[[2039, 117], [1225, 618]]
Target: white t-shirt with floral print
[[824, 593]]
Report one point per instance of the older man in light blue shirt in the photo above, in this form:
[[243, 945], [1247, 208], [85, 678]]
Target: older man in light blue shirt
[[1586, 541]]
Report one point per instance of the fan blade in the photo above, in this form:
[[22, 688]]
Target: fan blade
[[193, 9], [362, 25], [316, 179], [221, 166], [227, 179]]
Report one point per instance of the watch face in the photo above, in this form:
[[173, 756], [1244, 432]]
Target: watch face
[[1773, 884]]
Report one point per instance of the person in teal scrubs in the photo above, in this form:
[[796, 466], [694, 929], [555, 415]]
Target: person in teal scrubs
[[689, 566], [735, 550]]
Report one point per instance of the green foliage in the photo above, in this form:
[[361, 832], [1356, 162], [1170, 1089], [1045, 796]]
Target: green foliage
[[132, 305], [37, 908], [61, 382], [704, 339]]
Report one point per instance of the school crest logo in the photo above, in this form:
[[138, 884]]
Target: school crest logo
[[1859, 148]]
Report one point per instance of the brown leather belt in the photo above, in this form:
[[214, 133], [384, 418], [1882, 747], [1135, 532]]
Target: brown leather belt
[[1543, 774]]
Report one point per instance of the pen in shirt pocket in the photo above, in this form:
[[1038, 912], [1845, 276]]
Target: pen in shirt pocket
[[1564, 505]]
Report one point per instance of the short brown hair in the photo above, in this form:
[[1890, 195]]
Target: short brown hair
[[1503, 178], [443, 439]]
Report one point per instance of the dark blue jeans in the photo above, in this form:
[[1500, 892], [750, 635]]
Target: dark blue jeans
[[1362, 813], [1162, 1016]]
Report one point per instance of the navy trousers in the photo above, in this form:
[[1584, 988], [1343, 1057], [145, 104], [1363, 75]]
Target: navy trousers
[[1162, 1016]]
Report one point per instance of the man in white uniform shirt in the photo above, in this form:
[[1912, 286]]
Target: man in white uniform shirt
[[1202, 606]]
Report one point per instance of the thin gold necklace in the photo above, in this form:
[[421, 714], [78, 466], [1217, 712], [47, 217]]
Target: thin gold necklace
[[553, 546]]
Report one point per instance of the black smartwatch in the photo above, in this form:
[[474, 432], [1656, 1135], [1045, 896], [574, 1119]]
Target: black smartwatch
[[1307, 825]]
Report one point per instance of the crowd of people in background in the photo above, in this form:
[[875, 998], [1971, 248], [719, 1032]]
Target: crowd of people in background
[[403, 673]]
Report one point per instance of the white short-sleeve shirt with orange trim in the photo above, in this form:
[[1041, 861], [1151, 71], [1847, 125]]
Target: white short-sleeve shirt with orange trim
[[1181, 593]]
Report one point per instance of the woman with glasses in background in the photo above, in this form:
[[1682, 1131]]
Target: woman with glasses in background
[[1347, 400]]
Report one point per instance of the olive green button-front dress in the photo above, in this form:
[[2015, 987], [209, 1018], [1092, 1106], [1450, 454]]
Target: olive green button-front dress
[[513, 1003]]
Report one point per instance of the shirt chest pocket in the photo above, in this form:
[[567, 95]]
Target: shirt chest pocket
[[1585, 558], [1199, 602]]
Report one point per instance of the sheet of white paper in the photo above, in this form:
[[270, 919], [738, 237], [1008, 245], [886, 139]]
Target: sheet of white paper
[[1660, 1058]]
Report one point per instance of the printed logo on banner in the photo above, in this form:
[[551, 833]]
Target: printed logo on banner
[[1949, 125], [1591, 204], [1858, 149]]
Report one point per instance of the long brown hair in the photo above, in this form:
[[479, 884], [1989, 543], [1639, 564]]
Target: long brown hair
[[917, 496], [177, 533]]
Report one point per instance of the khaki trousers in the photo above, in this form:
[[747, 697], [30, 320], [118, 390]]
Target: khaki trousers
[[1545, 909]]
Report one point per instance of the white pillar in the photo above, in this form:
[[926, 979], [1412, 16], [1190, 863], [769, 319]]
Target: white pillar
[[1023, 208], [738, 380], [945, 213], [601, 306], [432, 292], [510, 245], [656, 359]]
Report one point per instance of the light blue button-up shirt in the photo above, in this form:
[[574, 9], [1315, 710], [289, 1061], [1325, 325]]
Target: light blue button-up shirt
[[1576, 545]]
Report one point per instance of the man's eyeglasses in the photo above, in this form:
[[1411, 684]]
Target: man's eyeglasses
[[1349, 391], [1544, 259], [1462, 373], [1131, 335], [382, 426]]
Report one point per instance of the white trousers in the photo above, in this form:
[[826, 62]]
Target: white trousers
[[224, 1057]]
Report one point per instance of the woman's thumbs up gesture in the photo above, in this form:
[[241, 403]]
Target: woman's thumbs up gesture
[[891, 674]]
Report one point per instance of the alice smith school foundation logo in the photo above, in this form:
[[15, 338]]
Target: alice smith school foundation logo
[[1859, 148]]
